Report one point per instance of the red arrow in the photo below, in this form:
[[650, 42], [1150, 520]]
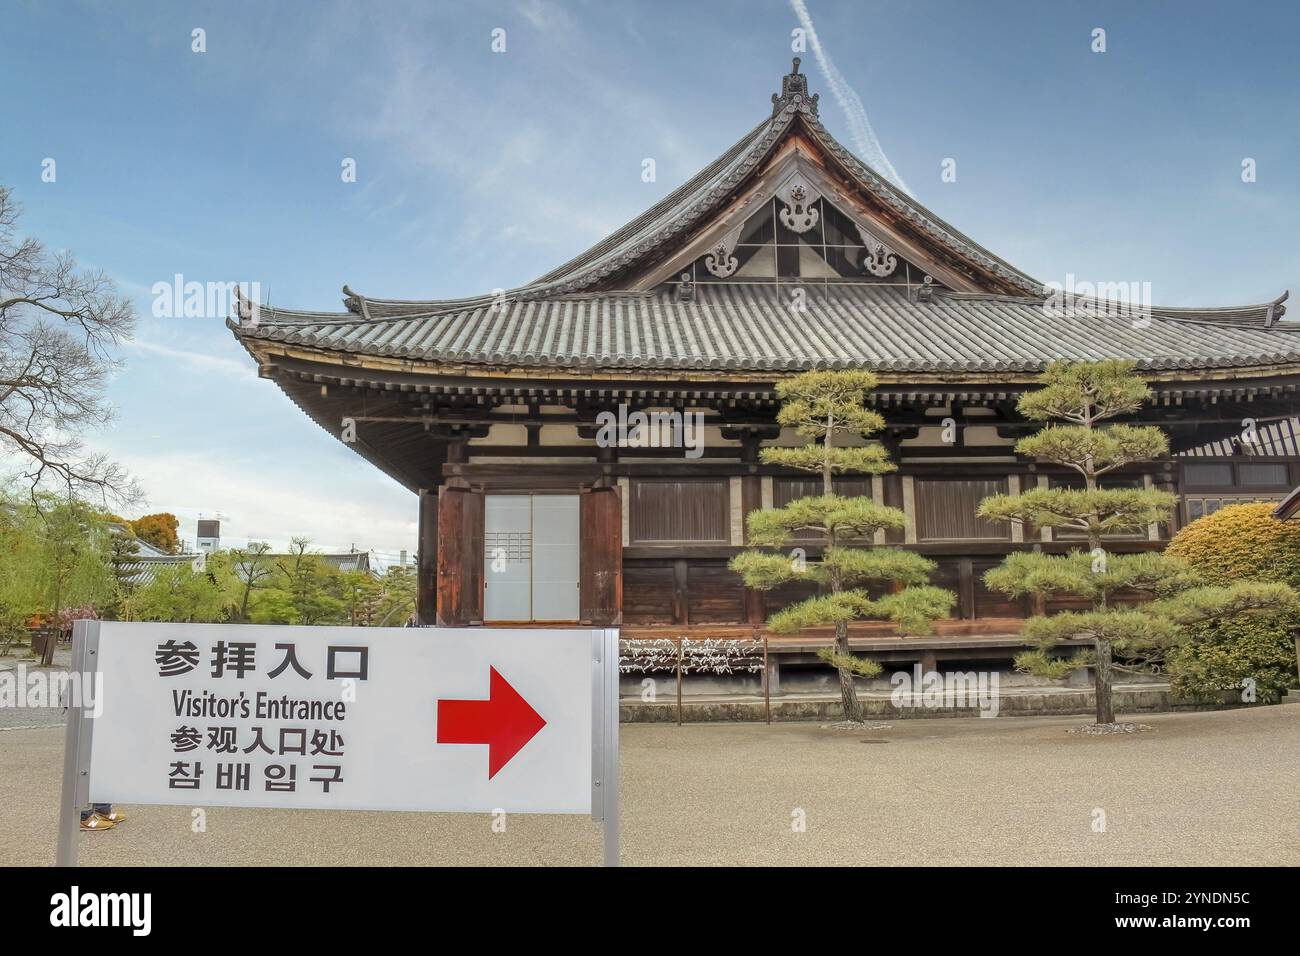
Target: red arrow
[[505, 722]]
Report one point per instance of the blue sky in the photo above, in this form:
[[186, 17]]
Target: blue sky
[[478, 170]]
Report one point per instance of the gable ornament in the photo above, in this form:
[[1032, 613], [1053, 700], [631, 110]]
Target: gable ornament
[[798, 197], [720, 262], [880, 260]]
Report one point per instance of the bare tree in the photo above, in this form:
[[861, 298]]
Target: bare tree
[[59, 329]]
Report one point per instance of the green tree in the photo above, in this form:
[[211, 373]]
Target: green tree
[[74, 562], [124, 558], [826, 407], [1086, 396], [22, 593], [362, 592], [54, 555], [396, 599], [272, 605], [315, 588], [254, 569], [180, 594]]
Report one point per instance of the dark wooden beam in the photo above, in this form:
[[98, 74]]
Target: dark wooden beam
[[426, 594]]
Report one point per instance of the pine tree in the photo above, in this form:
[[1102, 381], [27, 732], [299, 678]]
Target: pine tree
[[124, 557], [824, 406], [1084, 396]]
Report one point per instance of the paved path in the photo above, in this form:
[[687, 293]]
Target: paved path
[[1199, 788]]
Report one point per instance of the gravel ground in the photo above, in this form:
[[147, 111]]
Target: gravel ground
[[20, 667], [1213, 788]]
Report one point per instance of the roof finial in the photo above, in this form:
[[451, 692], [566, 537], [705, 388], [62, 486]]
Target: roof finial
[[794, 97]]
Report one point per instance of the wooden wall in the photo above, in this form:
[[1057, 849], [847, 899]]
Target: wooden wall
[[679, 523], [945, 509], [665, 511]]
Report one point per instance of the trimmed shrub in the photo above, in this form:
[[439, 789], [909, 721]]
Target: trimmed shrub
[[1240, 542], [1222, 655]]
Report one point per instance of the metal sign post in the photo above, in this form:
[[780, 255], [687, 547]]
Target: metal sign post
[[604, 739], [471, 720], [76, 741]]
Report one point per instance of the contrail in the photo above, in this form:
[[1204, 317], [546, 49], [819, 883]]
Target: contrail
[[864, 137]]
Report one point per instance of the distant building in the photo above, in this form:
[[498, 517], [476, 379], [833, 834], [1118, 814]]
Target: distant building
[[349, 560], [208, 538], [339, 560], [148, 560]]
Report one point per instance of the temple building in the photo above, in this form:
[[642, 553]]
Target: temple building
[[585, 447]]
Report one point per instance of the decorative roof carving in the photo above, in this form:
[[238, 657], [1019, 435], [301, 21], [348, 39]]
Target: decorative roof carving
[[798, 195], [925, 291], [354, 302], [794, 96], [720, 262], [686, 288], [880, 260]]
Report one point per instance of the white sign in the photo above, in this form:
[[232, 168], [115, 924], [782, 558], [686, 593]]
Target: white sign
[[470, 719]]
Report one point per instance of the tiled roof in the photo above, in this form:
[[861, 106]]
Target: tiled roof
[[752, 327], [681, 212], [1279, 439], [146, 568], [579, 316]]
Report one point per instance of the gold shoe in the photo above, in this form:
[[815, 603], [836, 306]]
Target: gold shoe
[[114, 816], [96, 821]]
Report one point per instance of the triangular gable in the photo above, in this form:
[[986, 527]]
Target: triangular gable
[[796, 223], [698, 216], [787, 152]]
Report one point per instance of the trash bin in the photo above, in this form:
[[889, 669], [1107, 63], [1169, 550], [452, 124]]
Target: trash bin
[[44, 642]]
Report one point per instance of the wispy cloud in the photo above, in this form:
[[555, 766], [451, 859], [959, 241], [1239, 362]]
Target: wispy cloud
[[864, 137], [211, 362]]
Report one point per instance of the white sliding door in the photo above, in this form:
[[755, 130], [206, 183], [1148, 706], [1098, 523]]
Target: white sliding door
[[530, 558], [507, 558], [555, 557]]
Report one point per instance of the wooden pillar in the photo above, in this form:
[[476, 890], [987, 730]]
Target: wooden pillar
[[772, 675], [1044, 534], [892, 486], [751, 500], [736, 510], [681, 593], [1167, 480], [625, 503], [460, 556], [966, 588], [1017, 527], [878, 496], [600, 559], [909, 509], [426, 588], [1153, 529]]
